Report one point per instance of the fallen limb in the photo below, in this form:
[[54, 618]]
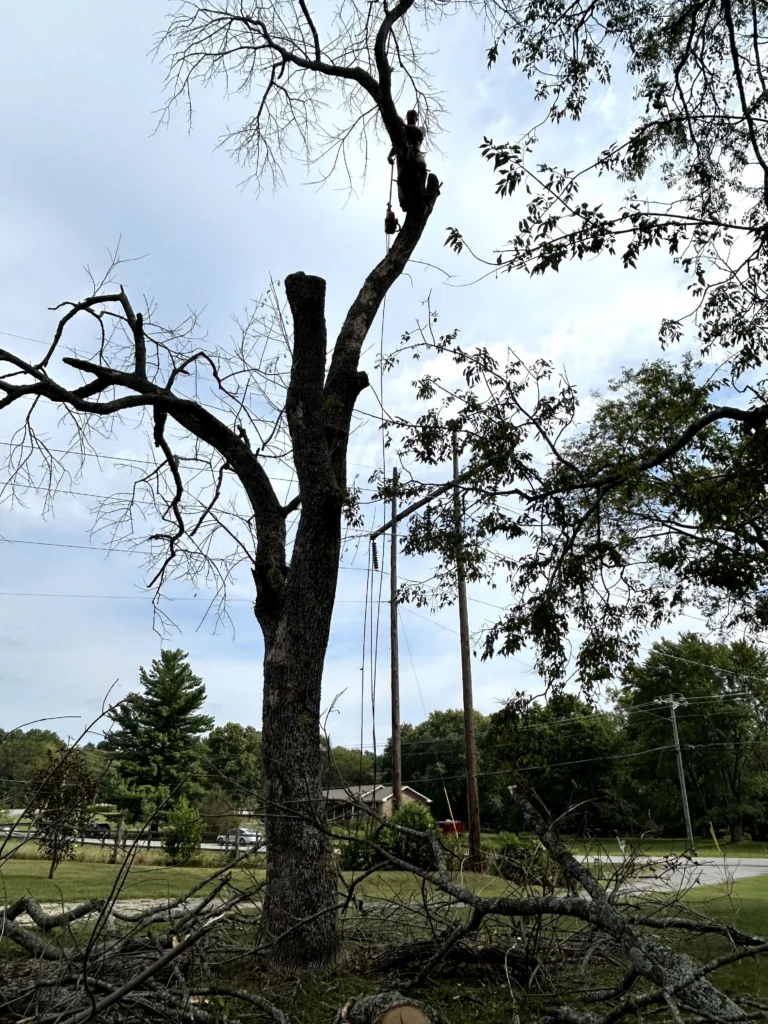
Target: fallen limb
[[45, 921], [246, 997]]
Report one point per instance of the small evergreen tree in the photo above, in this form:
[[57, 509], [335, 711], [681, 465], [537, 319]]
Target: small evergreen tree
[[63, 790], [156, 744]]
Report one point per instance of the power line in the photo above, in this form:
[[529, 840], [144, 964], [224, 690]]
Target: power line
[[122, 460], [142, 597], [352, 568], [525, 728], [23, 337]]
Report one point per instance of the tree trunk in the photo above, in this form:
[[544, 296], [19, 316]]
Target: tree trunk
[[737, 831], [301, 866], [294, 606]]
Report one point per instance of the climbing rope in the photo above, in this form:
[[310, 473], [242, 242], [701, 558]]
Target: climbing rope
[[391, 223]]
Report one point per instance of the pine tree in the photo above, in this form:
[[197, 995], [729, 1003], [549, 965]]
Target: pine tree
[[156, 744]]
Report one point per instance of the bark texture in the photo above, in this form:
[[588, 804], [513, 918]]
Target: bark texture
[[386, 1008], [301, 871]]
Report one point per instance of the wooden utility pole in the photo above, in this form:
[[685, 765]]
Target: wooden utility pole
[[394, 648], [674, 700], [470, 747]]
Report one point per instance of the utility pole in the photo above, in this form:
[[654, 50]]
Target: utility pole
[[470, 748], [674, 701], [394, 655]]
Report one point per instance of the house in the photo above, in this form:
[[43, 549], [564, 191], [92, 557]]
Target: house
[[340, 802]]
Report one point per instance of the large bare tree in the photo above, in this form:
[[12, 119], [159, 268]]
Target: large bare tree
[[219, 417]]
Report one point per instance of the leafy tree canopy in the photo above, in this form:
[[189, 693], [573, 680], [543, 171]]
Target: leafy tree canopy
[[63, 789], [659, 501], [233, 761], [22, 753], [567, 751], [344, 766], [722, 720], [434, 764]]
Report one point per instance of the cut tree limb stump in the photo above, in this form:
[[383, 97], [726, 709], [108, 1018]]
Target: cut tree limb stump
[[387, 1008]]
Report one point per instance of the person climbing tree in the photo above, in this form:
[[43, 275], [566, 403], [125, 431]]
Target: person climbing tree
[[411, 163]]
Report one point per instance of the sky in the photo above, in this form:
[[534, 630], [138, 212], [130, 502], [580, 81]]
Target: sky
[[83, 166]]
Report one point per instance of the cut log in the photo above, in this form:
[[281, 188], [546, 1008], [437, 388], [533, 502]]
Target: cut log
[[386, 1008]]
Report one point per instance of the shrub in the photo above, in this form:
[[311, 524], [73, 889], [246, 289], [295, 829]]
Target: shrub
[[183, 833], [359, 854], [524, 861], [416, 850]]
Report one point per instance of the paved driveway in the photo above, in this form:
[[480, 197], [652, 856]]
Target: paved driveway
[[700, 871]]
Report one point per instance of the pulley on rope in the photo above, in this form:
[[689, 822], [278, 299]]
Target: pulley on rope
[[391, 223]]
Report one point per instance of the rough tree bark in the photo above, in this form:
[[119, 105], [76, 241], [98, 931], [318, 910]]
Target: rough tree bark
[[296, 615], [386, 1008]]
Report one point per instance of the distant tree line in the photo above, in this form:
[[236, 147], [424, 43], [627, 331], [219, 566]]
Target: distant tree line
[[614, 762], [161, 752]]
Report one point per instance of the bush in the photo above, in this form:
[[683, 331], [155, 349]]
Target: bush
[[524, 861], [183, 833], [359, 854], [416, 850]]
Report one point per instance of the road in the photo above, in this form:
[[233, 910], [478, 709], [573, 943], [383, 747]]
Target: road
[[154, 844], [701, 871]]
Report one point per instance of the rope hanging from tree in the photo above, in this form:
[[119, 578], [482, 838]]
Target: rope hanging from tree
[[391, 223]]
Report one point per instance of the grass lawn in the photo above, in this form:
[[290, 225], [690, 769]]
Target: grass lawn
[[75, 880], [743, 904], [83, 881]]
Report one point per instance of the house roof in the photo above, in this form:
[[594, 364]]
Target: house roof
[[365, 794]]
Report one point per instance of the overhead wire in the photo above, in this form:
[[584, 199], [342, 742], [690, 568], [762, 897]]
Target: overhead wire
[[734, 673]]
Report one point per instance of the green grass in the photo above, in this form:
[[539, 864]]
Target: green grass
[[743, 904], [81, 881]]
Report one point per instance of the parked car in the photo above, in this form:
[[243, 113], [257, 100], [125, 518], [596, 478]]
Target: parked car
[[98, 829], [240, 837]]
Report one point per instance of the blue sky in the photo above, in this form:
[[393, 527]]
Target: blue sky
[[81, 166]]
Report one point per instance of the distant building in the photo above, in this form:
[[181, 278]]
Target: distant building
[[340, 803]]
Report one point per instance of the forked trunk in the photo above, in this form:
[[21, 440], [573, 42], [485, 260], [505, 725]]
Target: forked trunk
[[294, 605]]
